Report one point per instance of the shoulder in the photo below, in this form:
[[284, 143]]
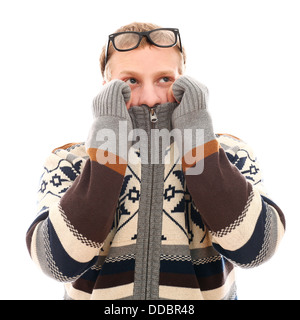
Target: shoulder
[[74, 148], [69, 154], [241, 155], [236, 149], [232, 144], [63, 165]]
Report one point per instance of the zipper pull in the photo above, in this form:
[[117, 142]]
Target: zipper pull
[[153, 116]]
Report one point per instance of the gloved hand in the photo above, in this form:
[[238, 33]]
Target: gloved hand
[[112, 100], [189, 91], [111, 125], [192, 114]]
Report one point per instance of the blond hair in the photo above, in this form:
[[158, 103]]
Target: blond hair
[[137, 27]]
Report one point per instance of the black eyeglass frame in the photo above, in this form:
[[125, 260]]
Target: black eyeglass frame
[[111, 38]]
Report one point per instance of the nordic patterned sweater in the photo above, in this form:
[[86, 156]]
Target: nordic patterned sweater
[[139, 230]]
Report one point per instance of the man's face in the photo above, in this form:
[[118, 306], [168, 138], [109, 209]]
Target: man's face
[[149, 71]]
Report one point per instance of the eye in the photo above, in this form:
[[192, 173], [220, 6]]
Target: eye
[[131, 81], [165, 79]]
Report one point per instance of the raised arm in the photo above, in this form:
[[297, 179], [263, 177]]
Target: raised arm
[[79, 195], [246, 226]]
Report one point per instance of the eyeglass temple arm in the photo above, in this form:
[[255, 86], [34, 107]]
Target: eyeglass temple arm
[[179, 41], [106, 52]]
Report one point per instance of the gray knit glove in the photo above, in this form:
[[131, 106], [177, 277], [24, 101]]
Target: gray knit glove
[[110, 112], [112, 99], [192, 110], [190, 116]]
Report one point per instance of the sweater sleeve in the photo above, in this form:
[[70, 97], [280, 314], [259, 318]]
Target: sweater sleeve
[[245, 224], [77, 200], [79, 194]]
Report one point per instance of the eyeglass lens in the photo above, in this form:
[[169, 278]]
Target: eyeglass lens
[[163, 37], [126, 41], [129, 40]]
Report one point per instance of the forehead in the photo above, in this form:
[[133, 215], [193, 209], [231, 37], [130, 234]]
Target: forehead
[[147, 59]]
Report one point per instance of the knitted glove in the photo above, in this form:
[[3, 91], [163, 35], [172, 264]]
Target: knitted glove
[[112, 121], [192, 114], [111, 101]]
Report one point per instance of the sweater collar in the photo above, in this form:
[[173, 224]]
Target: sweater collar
[[141, 116]]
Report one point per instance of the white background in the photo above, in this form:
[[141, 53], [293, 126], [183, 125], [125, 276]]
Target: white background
[[246, 53]]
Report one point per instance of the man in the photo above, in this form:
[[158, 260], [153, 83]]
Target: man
[[125, 216]]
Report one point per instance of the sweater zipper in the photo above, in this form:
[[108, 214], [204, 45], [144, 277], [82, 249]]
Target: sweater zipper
[[153, 120], [153, 117]]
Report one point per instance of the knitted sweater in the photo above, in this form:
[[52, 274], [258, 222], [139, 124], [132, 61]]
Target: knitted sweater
[[140, 230]]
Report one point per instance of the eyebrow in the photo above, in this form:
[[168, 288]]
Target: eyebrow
[[157, 74], [133, 73]]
